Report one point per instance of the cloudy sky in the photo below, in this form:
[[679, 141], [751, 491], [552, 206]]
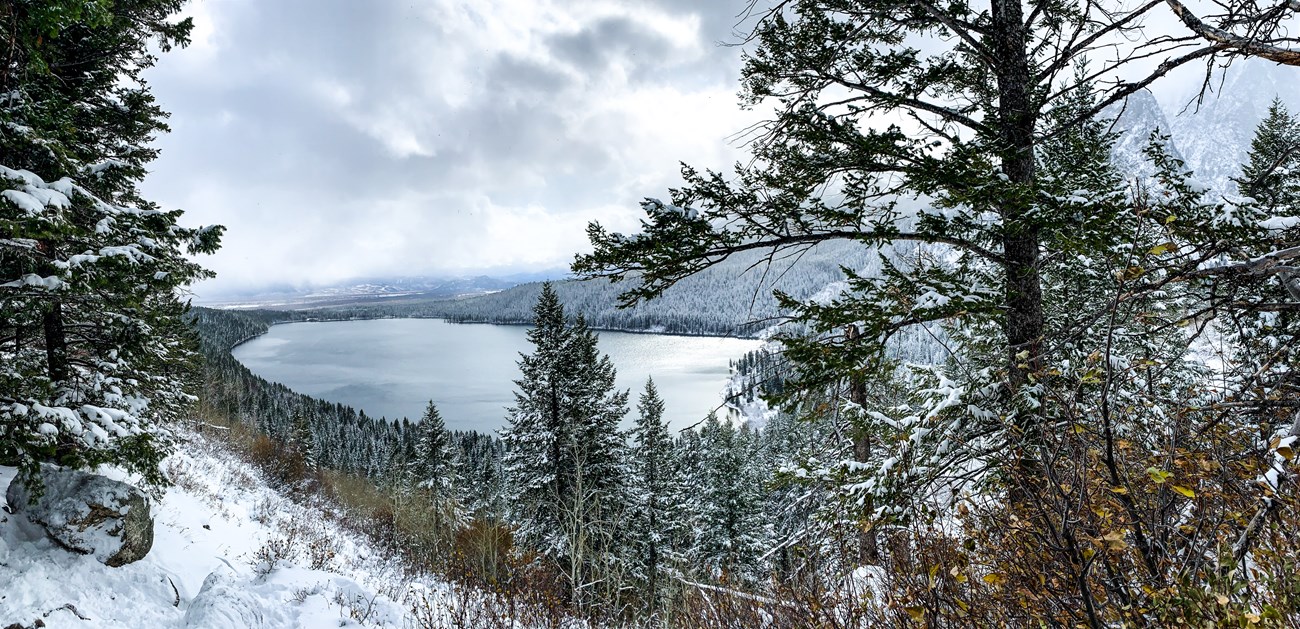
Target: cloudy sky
[[338, 139]]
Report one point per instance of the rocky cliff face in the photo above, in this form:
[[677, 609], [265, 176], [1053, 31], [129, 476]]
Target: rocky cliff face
[[1135, 120], [1212, 137], [1215, 136]]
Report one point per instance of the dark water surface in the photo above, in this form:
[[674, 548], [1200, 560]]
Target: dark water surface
[[393, 367]]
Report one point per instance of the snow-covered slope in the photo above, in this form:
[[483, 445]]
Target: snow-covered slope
[[1134, 121], [219, 524], [1215, 138]]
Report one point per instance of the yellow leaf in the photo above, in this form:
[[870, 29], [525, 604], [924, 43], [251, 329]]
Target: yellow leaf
[[1119, 490], [1171, 218], [1115, 540], [1161, 248], [1088, 553], [1183, 490], [1157, 475], [916, 612], [994, 579], [1286, 452], [1129, 273]]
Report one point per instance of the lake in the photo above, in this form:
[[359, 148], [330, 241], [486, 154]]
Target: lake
[[393, 367]]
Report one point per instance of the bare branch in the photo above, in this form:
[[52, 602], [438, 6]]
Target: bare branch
[[1248, 45]]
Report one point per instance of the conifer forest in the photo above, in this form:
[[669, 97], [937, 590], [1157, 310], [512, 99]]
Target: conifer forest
[[1020, 278]]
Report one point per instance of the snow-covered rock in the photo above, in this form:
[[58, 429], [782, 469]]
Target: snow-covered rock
[[88, 514], [215, 519], [1135, 119], [224, 603], [1214, 135]]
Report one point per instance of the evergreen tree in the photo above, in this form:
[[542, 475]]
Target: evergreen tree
[[302, 441], [563, 453], [730, 532], [1271, 174], [97, 357], [654, 512], [433, 460], [433, 471]]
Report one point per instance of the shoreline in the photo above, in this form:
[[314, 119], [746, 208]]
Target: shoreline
[[755, 337]]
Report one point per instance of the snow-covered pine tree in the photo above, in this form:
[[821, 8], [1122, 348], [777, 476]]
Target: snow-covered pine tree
[[534, 460], [302, 441], [564, 454], [654, 512], [1270, 175], [730, 530], [689, 472], [483, 489], [433, 470], [434, 463], [97, 359]]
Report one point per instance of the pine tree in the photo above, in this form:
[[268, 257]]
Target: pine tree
[[434, 461], [97, 357], [563, 452], [1271, 175], [433, 470], [654, 512], [303, 441], [730, 531]]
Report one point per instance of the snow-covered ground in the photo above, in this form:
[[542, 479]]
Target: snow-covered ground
[[219, 523]]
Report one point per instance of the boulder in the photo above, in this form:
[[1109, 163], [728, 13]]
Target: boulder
[[88, 514]]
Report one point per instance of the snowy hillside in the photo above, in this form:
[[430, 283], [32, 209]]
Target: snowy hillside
[[228, 552], [1135, 120], [1215, 138]]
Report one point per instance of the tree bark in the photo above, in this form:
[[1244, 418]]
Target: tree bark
[[868, 546], [1023, 291], [56, 343]]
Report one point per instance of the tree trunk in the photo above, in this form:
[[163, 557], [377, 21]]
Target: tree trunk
[[1023, 292], [56, 343], [868, 547]]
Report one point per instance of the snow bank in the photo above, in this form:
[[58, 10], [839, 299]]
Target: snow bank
[[209, 529]]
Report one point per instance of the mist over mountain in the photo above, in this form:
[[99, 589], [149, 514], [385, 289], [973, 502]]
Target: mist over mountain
[[1135, 120], [362, 290], [1214, 137]]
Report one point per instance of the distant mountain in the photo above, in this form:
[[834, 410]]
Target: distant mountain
[[1212, 139], [1135, 120], [733, 298], [364, 290], [1215, 138]]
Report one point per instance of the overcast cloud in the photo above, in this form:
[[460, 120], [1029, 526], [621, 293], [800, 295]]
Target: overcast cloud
[[339, 139]]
